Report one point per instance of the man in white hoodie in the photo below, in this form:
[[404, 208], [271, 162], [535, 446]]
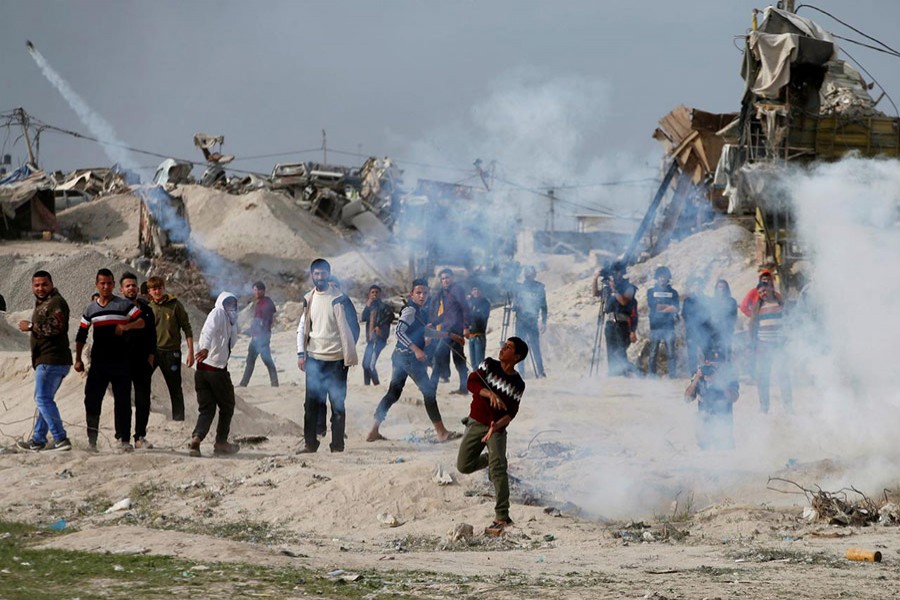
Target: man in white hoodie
[[326, 349], [212, 380]]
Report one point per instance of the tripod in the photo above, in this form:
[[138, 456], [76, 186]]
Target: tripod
[[507, 317], [504, 330], [598, 339]]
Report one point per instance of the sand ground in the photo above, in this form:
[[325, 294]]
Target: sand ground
[[612, 497]]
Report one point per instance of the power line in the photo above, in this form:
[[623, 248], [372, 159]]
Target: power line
[[537, 192], [845, 24], [275, 154], [869, 46]]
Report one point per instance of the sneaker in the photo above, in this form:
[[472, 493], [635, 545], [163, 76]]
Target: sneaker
[[459, 392], [125, 447], [63, 445], [142, 443], [92, 446], [305, 450], [225, 448], [30, 445]]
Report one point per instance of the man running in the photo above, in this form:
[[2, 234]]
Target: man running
[[409, 360]]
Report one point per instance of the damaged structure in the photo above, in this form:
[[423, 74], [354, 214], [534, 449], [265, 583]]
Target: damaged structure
[[27, 204], [801, 104]]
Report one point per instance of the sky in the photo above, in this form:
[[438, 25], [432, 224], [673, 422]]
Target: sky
[[561, 93]]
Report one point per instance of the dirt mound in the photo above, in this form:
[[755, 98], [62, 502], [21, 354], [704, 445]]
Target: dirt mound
[[261, 229], [73, 268], [112, 221], [11, 339]]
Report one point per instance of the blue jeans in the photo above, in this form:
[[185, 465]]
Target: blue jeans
[[325, 380], [406, 366], [476, 350], [47, 379], [260, 346]]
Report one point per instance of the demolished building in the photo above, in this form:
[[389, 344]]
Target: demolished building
[[27, 204], [801, 104]]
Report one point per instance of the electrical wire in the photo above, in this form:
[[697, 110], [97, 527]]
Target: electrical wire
[[847, 25], [276, 154], [869, 46]]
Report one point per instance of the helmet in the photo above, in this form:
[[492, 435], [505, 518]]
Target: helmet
[[662, 272]]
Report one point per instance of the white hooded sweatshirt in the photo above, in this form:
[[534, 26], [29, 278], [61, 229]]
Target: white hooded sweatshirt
[[219, 333]]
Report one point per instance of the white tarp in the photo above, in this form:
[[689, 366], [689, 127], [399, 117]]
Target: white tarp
[[775, 53], [776, 49]]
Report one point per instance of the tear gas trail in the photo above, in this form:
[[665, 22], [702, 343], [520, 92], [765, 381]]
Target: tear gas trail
[[99, 127], [219, 272]]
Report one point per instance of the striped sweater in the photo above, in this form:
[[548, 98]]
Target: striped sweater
[[508, 386], [107, 347], [768, 321]]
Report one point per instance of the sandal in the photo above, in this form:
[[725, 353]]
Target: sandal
[[451, 435], [498, 527]]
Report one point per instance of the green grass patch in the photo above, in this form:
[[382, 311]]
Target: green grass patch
[[34, 574]]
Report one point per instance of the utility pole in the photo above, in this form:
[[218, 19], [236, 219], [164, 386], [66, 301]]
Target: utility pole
[[23, 121], [552, 195], [324, 148]]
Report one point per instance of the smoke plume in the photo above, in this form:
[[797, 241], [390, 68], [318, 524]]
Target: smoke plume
[[220, 274]]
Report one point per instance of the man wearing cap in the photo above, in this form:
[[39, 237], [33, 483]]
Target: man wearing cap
[[326, 349], [752, 297], [531, 308]]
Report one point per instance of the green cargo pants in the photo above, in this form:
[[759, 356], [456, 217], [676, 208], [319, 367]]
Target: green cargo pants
[[472, 458]]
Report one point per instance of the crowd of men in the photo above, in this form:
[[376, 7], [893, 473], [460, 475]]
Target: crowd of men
[[135, 333], [709, 325]]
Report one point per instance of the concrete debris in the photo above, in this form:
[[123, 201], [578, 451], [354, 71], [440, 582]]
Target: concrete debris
[[389, 520], [441, 476], [460, 532], [123, 504]]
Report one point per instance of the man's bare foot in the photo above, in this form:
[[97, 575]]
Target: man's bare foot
[[375, 436], [448, 435]]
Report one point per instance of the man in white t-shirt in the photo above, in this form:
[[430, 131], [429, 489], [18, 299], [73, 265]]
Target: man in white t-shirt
[[326, 349]]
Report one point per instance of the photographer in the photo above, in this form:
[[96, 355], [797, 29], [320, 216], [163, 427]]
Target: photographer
[[620, 306], [716, 388]]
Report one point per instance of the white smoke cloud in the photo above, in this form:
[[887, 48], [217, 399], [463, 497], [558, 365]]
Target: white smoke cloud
[[636, 447], [847, 220], [537, 128]]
